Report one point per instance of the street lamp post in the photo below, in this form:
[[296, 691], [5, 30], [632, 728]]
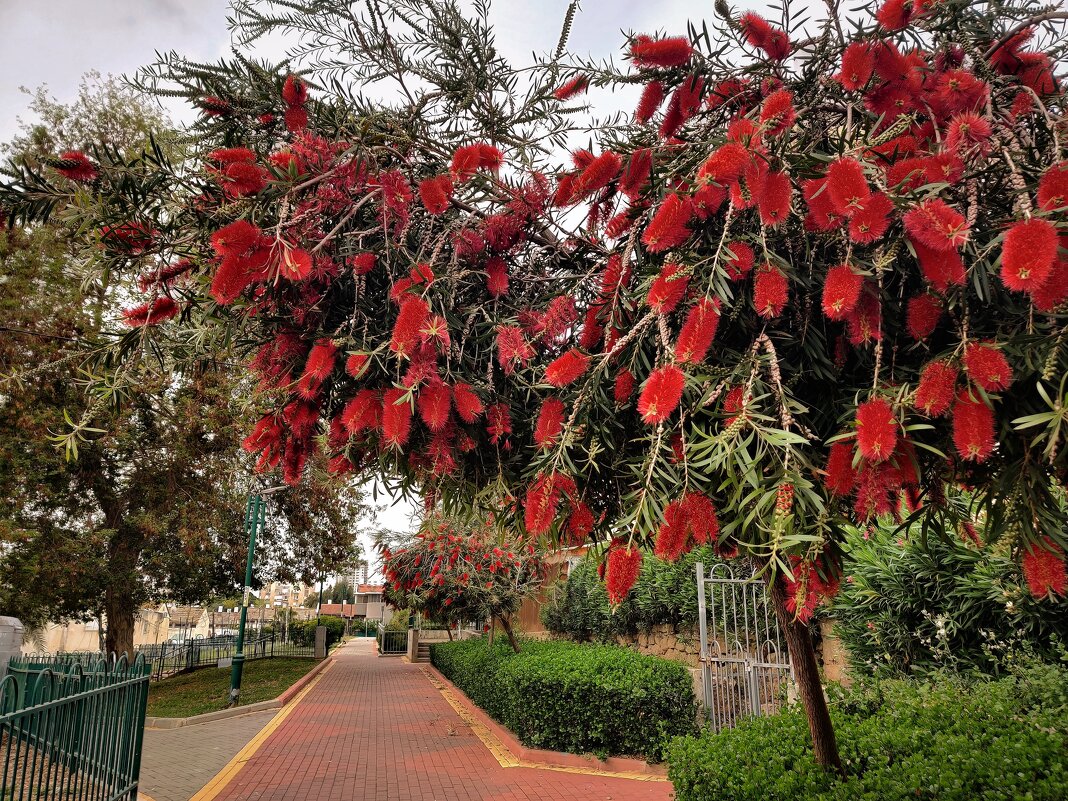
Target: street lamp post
[[255, 511]]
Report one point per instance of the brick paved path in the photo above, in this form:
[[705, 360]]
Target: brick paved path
[[376, 729], [176, 763]]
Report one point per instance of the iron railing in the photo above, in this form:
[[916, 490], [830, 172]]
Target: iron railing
[[170, 658], [71, 727], [392, 642]]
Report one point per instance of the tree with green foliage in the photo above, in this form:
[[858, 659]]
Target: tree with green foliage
[[152, 506]]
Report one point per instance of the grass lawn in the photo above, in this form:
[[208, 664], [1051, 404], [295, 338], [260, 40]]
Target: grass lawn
[[207, 689]]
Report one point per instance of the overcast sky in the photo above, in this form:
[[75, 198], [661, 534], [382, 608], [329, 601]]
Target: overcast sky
[[55, 42]]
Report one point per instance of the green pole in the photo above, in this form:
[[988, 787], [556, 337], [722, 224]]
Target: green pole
[[254, 511]]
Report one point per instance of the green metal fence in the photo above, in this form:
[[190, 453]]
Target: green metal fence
[[169, 658], [71, 727]]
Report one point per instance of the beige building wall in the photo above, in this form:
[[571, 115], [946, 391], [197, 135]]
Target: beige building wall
[[150, 626]]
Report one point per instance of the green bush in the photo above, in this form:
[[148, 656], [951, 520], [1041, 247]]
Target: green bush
[[304, 633], [564, 696], [943, 604], [666, 592], [949, 740]]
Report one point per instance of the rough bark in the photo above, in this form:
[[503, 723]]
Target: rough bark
[[806, 672], [122, 590], [508, 630]]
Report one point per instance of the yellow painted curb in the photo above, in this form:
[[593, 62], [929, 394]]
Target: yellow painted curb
[[210, 790], [506, 758]]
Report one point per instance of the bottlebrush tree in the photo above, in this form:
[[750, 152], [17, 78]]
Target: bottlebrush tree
[[818, 277], [453, 570]]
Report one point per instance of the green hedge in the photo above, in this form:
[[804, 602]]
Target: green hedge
[[666, 592], [952, 741], [564, 696], [914, 607]]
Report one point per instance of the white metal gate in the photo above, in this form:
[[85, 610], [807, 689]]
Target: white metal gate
[[745, 667]]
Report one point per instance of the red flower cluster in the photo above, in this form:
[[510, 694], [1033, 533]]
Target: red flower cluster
[[877, 429], [567, 368], [151, 313], [621, 572], [661, 394], [689, 521], [1043, 567]]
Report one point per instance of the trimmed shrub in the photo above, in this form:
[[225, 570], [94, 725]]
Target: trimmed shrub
[[914, 607], [304, 633], [666, 592], [953, 740], [564, 696]]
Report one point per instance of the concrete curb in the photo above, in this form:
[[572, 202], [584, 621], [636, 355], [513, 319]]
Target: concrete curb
[[559, 759], [259, 706]]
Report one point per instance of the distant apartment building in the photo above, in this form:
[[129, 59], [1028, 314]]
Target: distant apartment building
[[283, 595], [368, 603]]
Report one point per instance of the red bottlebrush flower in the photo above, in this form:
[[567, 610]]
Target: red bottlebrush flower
[[1036, 72], [231, 278], [565, 188], [734, 404], [468, 404], [876, 430], [840, 476], [435, 193], [959, 90], [778, 114], [560, 315], [968, 133], [592, 329], [572, 88], [649, 102], [822, 215], [295, 91], [924, 314], [870, 221], [1043, 567], [76, 166], [668, 228], [858, 63], [973, 427], [512, 348], [697, 332], [567, 368], [498, 423], [407, 331], [464, 163], [771, 291], [619, 225], [740, 260], [550, 423], [543, 501], [636, 175], [435, 404], [943, 268], [580, 523], [214, 106], [600, 172], [987, 366], [841, 291], [670, 52], [489, 157], [621, 573], [1055, 291], [937, 225], [1028, 254], [774, 200], [1052, 192], [164, 275], [661, 394], [152, 313], [235, 239], [240, 179], [321, 360], [296, 264], [497, 277], [624, 386], [765, 36], [296, 119], [668, 288], [725, 165], [356, 364], [864, 321], [847, 188], [362, 263], [396, 418], [894, 15], [673, 535], [936, 390], [231, 155], [707, 200]]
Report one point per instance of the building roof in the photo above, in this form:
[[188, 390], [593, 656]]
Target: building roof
[[370, 588], [185, 615]]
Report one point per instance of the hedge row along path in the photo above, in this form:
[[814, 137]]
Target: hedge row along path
[[375, 729]]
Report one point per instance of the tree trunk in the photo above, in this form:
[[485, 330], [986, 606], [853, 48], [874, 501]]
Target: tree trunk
[[120, 617], [448, 630], [806, 671], [121, 592], [508, 630]]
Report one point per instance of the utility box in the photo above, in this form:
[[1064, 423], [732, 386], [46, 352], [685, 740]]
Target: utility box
[[320, 642], [10, 641]]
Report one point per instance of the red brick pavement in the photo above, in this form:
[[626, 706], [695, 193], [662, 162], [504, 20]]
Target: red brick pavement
[[376, 729]]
